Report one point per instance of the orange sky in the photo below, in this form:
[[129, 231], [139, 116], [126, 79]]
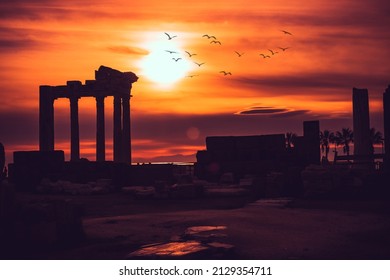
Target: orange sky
[[333, 48]]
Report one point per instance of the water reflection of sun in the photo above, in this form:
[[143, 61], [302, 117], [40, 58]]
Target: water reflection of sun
[[160, 65]]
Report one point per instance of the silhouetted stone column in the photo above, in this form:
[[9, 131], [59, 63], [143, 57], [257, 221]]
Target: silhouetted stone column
[[361, 122], [74, 129], [46, 119], [100, 130], [126, 144], [311, 135], [117, 128], [386, 120]]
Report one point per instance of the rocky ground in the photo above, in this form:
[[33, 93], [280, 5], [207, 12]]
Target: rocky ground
[[117, 226]]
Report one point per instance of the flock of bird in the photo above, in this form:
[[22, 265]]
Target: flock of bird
[[213, 40]]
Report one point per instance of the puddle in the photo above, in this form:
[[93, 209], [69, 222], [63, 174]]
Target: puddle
[[170, 249], [200, 229], [194, 242]]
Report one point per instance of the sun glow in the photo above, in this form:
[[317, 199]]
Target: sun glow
[[166, 63]]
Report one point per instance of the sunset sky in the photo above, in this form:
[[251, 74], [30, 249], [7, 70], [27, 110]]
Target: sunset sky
[[334, 47]]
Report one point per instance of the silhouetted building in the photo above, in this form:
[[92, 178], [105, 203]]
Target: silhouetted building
[[386, 119], [257, 154], [361, 122], [239, 155], [109, 82]]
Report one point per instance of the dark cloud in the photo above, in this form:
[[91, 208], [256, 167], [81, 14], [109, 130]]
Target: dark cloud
[[65, 10], [128, 50], [8, 45], [273, 112], [18, 128], [362, 15], [302, 83], [290, 114], [18, 39], [34, 12], [260, 110]]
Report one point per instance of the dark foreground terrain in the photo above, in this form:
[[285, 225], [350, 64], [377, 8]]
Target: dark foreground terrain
[[117, 226]]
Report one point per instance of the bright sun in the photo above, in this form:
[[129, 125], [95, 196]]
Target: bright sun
[[160, 65]]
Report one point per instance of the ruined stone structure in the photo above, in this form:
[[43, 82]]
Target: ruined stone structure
[[311, 135], [361, 122], [257, 154], [386, 119], [108, 82]]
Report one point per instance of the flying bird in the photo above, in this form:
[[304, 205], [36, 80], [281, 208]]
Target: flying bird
[[215, 42], [191, 76], [209, 37], [272, 52], [171, 52], [286, 32], [239, 54], [190, 54], [265, 56], [283, 49], [225, 73], [176, 59], [199, 64], [169, 36]]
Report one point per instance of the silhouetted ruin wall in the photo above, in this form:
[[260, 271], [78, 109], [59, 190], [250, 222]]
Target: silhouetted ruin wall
[[258, 154], [240, 155], [30, 167], [386, 118]]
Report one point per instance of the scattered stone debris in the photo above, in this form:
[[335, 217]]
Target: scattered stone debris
[[320, 181], [140, 192], [225, 191], [186, 190], [100, 186]]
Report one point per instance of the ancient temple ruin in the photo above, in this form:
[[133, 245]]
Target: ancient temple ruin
[[108, 82]]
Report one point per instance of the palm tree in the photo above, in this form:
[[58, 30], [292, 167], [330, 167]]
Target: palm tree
[[325, 139], [375, 138], [334, 140], [290, 138], [345, 138]]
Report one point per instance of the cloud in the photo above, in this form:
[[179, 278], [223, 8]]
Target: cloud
[[15, 39], [128, 50], [294, 83], [33, 11], [261, 110], [7, 45], [292, 113], [275, 112]]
